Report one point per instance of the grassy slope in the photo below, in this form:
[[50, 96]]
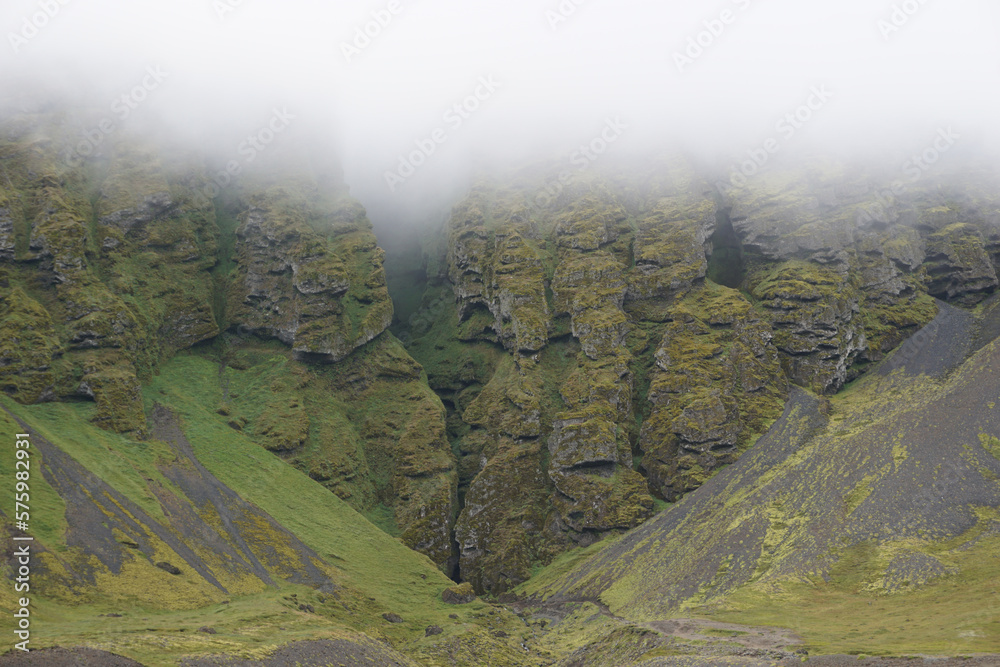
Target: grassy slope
[[955, 615], [840, 603], [377, 573], [319, 518], [848, 612]]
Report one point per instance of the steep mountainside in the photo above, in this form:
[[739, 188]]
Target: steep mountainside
[[114, 265], [618, 399], [626, 333], [214, 398], [867, 522]]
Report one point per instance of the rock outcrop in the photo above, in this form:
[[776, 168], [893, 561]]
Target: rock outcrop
[[112, 265], [637, 332], [317, 286], [107, 287]]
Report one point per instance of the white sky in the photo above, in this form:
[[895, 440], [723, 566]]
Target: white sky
[[558, 86]]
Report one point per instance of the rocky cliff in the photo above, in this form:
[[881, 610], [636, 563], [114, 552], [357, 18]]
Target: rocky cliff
[[622, 336], [113, 264], [635, 352]]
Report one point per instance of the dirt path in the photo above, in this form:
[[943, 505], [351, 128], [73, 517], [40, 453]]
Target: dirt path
[[777, 639]]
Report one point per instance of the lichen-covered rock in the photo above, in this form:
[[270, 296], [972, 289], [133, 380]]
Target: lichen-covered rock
[[591, 289], [671, 248], [590, 464], [814, 311], [905, 247], [498, 269], [460, 594], [959, 269], [29, 346], [716, 383], [509, 408], [318, 287], [590, 222], [543, 282], [118, 395], [499, 532]]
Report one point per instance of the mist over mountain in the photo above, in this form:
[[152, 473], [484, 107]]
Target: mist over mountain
[[451, 333], [397, 88]]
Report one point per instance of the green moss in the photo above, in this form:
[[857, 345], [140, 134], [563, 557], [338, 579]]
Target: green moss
[[716, 386], [369, 429], [991, 444], [796, 280], [888, 326], [118, 395], [28, 348]]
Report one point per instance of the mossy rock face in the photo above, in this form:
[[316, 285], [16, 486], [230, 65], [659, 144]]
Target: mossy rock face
[[590, 222], [508, 407], [590, 465], [116, 256], [814, 313], [671, 375], [308, 276], [159, 240], [497, 269], [591, 289], [29, 345], [542, 283], [461, 594], [865, 253], [671, 248], [809, 213], [368, 428], [500, 529], [118, 395], [959, 269], [717, 382], [904, 247]]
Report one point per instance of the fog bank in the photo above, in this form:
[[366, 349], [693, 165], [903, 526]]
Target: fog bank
[[415, 97]]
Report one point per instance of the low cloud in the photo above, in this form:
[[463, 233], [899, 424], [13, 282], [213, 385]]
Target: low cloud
[[375, 79]]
